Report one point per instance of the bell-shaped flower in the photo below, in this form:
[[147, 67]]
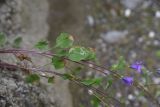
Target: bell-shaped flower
[[128, 80], [137, 66]]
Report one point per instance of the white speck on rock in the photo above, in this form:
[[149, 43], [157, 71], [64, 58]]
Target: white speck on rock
[[118, 95], [157, 14], [131, 97], [114, 36], [90, 65], [156, 80], [90, 20], [151, 34], [127, 12], [90, 92]]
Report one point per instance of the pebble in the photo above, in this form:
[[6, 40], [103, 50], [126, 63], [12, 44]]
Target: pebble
[[114, 36], [151, 34], [127, 12], [131, 4], [155, 42], [118, 95], [90, 20], [140, 40], [131, 97], [156, 80], [157, 14], [90, 92]]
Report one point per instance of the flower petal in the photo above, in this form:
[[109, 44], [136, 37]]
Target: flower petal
[[137, 66], [128, 80]]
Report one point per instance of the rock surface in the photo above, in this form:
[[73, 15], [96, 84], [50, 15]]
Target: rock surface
[[114, 36], [131, 4], [28, 18]]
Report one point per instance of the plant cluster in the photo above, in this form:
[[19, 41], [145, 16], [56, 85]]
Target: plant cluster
[[64, 52]]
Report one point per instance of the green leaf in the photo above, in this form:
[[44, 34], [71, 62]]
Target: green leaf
[[109, 83], [158, 53], [95, 81], [42, 45], [95, 101], [91, 54], [76, 70], [62, 52], [120, 65], [81, 105], [17, 41], [32, 78], [157, 94], [51, 79], [78, 54], [64, 40], [2, 39], [67, 76], [58, 62]]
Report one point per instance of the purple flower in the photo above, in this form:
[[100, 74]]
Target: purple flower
[[128, 80], [137, 66]]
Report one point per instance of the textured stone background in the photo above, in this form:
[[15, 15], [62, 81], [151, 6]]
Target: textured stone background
[[28, 18]]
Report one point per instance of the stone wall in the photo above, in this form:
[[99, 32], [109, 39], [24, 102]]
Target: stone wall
[[28, 18]]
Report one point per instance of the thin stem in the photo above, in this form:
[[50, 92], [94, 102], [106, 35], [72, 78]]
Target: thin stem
[[95, 67], [147, 85], [75, 80]]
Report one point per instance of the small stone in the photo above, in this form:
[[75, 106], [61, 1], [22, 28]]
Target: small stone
[[90, 65], [131, 97], [131, 4], [155, 42], [151, 34], [118, 95], [157, 14], [156, 80], [140, 40], [136, 92], [90, 92], [89, 73], [114, 36], [90, 20], [133, 54], [127, 12]]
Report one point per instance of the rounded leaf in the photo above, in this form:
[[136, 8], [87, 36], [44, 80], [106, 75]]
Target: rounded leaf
[[58, 62], [78, 53], [64, 40], [17, 42], [42, 45]]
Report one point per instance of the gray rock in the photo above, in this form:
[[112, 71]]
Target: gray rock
[[31, 16], [114, 36], [131, 4]]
